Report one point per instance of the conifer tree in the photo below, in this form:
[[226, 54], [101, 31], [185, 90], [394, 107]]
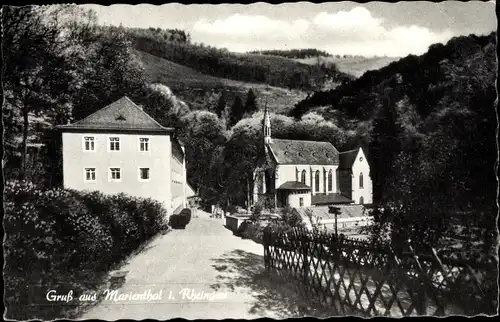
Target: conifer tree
[[221, 105], [237, 111], [383, 147], [251, 102]]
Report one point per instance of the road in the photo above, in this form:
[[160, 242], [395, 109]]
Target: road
[[202, 272]]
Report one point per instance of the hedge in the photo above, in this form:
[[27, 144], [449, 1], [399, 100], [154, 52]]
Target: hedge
[[62, 238]]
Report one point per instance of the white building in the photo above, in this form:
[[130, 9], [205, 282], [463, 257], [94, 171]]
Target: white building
[[120, 148], [303, 173]]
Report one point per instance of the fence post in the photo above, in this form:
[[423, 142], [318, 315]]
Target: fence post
[[266, 239], [305, 244], [421, 305]]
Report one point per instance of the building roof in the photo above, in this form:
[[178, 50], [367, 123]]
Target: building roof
[[329, 199], [347, 158], [122, 114], [304, 152], [294, 185]]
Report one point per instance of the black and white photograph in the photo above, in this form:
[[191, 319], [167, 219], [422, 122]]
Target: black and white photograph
[[245, 161]]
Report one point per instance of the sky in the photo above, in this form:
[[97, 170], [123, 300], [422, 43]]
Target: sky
[[369, 29]]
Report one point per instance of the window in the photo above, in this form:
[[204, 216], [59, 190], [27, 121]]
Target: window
[[115, 174], [316, 179], [361, 200], [88, 143], [89, 174], [361, 180], [301, 202], [330, 181], [303, 177], [144, 173], [114, 144], [143, 144]]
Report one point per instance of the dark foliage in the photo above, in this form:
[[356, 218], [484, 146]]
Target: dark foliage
[[294, 53], [237, 111]]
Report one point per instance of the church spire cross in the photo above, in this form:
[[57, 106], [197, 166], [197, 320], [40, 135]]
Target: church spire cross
[[267, 126]]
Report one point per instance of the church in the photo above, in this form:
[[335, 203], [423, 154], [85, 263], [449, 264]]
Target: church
[[300, 173]]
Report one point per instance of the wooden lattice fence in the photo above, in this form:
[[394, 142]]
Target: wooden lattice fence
[[354, 277]]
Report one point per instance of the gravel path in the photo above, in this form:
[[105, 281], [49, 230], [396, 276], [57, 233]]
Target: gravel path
[[202, 272]]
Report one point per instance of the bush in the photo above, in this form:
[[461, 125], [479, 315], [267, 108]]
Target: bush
[[291, 218], [241, 229], [253, 231], [61, 232], [181, 220], [256, 211]]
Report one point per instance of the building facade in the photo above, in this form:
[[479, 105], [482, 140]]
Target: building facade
[[300, 173], [121, 149]]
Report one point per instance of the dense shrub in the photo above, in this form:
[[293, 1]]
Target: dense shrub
[[242, 228], [180, 220], [254, 228], [253, 231], [54, 235], [290, 217]]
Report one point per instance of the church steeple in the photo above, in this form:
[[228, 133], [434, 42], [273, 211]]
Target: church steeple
[[267, 126]]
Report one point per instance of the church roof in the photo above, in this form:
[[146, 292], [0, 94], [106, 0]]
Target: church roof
[[347, 158], [304, 152], [329, 199], [122, 114], [294, 185]]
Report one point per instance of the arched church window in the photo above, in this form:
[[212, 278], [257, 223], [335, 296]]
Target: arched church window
[[303, 177], [330, 181], [316, 181], [361, 180], [361, 200]]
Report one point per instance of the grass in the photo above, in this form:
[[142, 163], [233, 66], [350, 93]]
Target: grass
[[192, 86]]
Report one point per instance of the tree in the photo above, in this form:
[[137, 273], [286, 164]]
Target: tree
[[202, 133], [251, 102], [108, 72], [383, 147], [237, 111], [221, 105], [38, 70]]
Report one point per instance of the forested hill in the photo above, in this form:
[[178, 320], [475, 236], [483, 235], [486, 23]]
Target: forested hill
[[255, 68], [424, 80]]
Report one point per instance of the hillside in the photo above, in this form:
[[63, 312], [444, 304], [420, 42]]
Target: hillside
[[272, 70], [193, 87], [352, 65], [417, 77]]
